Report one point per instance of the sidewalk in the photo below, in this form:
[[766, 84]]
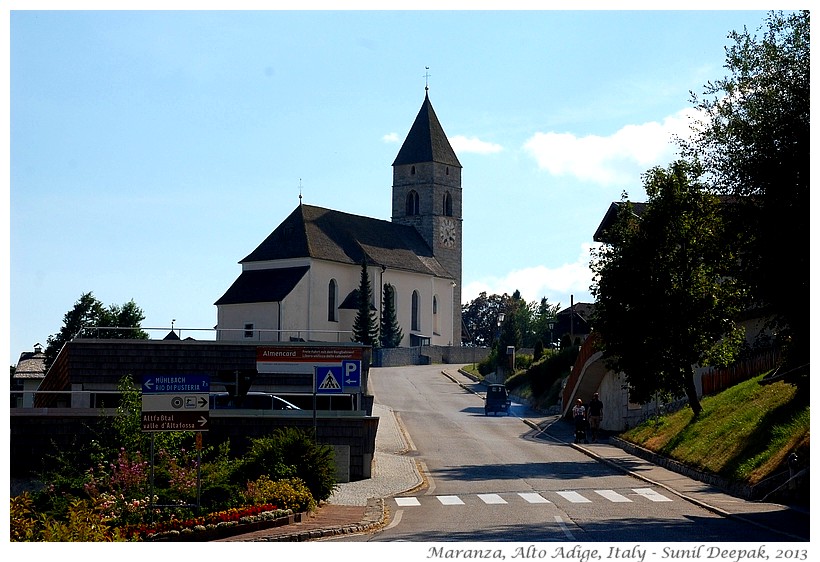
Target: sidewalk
[[791, 522], [355, 507], [359, 506]]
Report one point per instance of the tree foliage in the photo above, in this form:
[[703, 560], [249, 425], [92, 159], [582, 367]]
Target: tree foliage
[[390, 333], [754, 144], [664, 299], [365, 325], [524, 325], [89, 312]]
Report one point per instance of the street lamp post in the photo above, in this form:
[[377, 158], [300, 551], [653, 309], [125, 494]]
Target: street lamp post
[[500, 321], [551, 325]]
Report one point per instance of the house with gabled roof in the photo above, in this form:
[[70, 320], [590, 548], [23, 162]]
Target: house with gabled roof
[[29, 372], [300, 283]]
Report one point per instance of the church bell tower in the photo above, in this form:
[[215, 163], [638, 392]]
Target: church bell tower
[[427, 195]]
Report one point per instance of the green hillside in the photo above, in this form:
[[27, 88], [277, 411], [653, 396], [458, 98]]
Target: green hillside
[[744, 433]]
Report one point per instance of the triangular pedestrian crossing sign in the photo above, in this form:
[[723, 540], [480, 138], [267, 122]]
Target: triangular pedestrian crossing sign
[[330, 382]]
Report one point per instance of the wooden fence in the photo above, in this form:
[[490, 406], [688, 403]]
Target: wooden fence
[[721, 378]]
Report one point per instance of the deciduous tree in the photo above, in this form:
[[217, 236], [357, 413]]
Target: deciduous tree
[[664, 301], [754, 143], [88, 312]]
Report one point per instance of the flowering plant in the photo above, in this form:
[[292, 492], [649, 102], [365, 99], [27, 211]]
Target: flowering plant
[[227, 518]]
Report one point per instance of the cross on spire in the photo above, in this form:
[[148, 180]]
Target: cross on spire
[[426, 76]]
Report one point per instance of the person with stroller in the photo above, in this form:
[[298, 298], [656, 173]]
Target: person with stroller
[[579, 414]]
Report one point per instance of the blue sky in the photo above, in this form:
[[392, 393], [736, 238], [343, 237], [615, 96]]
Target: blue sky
[[151, 151]]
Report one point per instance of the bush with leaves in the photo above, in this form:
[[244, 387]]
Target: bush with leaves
[[84, 522], [288, 493], [543, 374], [290, 452]]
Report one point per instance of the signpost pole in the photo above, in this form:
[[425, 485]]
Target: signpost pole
[[198, 472], [314, 404], [151, 484]]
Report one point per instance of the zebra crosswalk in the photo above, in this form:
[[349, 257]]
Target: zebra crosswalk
[[570, 496]]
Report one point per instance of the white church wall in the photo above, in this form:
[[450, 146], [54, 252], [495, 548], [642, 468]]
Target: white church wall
[[405, 283], [319, 277], [232, 320]]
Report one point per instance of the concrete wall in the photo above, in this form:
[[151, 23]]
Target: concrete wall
[[428, 354]]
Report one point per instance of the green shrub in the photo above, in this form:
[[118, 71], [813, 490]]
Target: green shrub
[[314, 462], [543, 374], [487, 365], [288, 453], [84, 522], [289, 493], [523, 361], [22, 518], [215, 496]]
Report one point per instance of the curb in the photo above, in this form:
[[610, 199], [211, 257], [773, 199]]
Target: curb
[[374, 518], [668, 464]]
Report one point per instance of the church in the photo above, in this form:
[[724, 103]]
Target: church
[[301, 283]]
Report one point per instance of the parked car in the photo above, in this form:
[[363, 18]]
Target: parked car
[[496, 400], [251, 401]]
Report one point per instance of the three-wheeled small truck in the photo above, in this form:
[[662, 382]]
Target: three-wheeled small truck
[[496, 399]]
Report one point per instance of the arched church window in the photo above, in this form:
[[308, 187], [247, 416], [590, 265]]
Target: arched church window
[[414, 317], [412, 203], [435, 314], [412, 170], [332, 294], [447, 205]]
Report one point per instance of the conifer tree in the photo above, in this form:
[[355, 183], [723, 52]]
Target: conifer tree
[[365, 326], [390, 331]]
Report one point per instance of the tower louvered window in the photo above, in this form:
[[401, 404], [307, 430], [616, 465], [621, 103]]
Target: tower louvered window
[[447, 205], [412, 203]]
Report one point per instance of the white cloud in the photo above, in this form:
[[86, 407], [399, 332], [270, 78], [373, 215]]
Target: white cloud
[[555, 283], [464, 144], [390, 138], [614, 160]]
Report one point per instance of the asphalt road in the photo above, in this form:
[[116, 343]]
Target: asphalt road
[[491, 479]]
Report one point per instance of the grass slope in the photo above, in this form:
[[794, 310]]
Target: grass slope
[[743, 434]]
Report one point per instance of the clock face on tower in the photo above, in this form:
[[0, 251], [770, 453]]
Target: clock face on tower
[[447, 233]]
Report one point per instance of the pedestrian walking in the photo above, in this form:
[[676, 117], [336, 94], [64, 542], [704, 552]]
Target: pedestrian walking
[[595, 411], [579, 415]]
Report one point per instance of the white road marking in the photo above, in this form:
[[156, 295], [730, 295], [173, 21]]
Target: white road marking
[[491, 499], [573, 497], [613, 496], [652, 495], [396, 519], [450, 500], [564, 528], [532, 497], [407, 502]]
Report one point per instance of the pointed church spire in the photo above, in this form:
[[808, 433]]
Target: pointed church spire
[[426, 141]]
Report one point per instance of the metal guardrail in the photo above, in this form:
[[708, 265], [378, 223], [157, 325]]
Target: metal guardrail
[[254, 334]]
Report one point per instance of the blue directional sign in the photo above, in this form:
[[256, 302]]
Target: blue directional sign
[[339, 379], [163, 384], [352, 375]]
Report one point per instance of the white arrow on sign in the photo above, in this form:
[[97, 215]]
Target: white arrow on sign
[[174, 402]]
